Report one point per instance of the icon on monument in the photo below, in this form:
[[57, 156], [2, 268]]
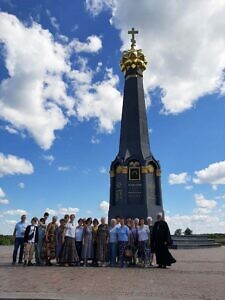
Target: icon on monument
[[134, 173]]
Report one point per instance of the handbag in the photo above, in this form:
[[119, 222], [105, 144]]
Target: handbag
[[128, 252]]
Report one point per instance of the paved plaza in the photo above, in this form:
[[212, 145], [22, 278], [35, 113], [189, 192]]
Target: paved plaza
[[198, 274]]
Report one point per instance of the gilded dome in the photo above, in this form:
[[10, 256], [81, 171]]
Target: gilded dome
[[133, 58]]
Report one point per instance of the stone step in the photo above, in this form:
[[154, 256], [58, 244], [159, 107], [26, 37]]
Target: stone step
[[195, 246], [193, 242]]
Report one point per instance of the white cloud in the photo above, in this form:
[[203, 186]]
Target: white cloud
[[188, 187], [15, 212], [197, 223], [186, 55], [95, 140], [63, 168], [10, 165], [93, 44], [214, 187], [94, 100], [96, 6], [99, 67], [49, 158], [204, 219], [62, 211], [4, 201], [103, 170], [104, 206], [201, 211], [178, 178], [21, 185], [2, 193], [53, 20], [214, 174], [33, 97], [11, 130], [220, 197], [11, 222], [202, 202]]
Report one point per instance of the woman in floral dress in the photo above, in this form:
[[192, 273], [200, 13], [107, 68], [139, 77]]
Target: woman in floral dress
[[49, 247], [87, 248]]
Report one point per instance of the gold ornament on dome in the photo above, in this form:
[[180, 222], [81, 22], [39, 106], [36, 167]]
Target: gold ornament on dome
[[133, 58]]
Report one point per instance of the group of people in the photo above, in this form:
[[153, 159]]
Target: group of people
[[123, 242]]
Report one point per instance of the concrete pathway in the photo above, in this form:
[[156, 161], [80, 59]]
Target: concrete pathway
[[198, 274]]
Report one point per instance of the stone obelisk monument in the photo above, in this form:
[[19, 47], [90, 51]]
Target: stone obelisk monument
[[135, 183]]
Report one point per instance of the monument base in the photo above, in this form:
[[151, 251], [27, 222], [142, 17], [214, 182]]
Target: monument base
[[134, 211]]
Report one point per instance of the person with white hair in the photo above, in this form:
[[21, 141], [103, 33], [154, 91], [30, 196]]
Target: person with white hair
[[136, 222], [161, 239]]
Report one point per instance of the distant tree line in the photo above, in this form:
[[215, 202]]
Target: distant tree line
[[6, 240]]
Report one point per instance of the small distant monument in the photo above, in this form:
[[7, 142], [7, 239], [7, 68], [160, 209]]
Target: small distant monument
[[135, 183]]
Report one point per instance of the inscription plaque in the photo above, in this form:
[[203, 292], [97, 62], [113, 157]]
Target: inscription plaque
[[134, 191]]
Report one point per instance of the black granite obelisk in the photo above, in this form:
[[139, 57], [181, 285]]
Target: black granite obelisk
[[135, 183]]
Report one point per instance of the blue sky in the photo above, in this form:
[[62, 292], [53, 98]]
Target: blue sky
[[61, 97]]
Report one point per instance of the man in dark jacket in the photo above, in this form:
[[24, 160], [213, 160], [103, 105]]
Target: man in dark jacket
[[30, 239], [161, 239]]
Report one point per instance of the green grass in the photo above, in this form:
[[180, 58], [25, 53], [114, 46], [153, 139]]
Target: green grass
[[6, 240]]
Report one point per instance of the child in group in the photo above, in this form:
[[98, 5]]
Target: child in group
[[30, 239]]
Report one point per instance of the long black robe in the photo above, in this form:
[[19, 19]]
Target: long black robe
[[160, 240]]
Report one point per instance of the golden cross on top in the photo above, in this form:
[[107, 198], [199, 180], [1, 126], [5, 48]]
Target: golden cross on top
[[133, 41]]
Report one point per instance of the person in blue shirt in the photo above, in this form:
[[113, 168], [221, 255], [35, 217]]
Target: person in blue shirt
[[18, 236], [112, 242], [123, 237]]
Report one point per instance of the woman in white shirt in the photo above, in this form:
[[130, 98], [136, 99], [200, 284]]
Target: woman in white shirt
[[79, 237], [69, 255], [143, 241]]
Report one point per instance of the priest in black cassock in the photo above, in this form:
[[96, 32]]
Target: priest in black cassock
[[160, 241]]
